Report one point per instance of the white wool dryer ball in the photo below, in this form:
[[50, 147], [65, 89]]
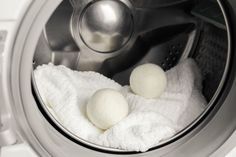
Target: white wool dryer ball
[[148, 80], [106, 108]]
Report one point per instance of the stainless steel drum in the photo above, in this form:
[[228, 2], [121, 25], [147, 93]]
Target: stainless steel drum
[[112, 37]]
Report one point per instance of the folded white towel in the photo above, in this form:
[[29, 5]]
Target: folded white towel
[[150, 121]]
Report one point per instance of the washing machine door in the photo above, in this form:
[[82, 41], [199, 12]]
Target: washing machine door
[[24, 122]]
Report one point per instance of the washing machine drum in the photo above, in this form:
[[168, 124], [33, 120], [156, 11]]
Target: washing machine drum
[[112, 37]]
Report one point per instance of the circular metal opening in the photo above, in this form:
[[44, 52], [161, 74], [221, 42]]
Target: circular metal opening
[[106, 26], [197, 37]]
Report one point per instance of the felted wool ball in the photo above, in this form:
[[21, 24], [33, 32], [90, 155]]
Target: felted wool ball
[[106, 108], [148, 80]]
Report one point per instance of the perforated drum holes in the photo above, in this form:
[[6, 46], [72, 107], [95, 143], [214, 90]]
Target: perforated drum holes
[[174, 54]]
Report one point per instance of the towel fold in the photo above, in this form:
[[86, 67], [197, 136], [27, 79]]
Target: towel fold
[[150, 121]]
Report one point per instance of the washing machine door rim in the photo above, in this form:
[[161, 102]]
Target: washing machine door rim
[[20, 86]]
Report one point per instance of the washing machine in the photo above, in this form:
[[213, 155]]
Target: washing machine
[[112, 37]]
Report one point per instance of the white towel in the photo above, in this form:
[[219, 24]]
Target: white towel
[[149, 121]]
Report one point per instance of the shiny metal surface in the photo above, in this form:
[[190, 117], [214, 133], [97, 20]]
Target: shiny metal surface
[[83, 30], [43, 135], [106, 25], [156, 3], [57, 29], [90, 59], [44, 55]]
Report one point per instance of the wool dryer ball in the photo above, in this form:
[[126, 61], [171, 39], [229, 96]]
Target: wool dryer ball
[[106, 108], [148, 80]]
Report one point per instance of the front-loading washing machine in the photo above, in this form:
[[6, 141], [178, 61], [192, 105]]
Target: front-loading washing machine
[[112, 37]]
